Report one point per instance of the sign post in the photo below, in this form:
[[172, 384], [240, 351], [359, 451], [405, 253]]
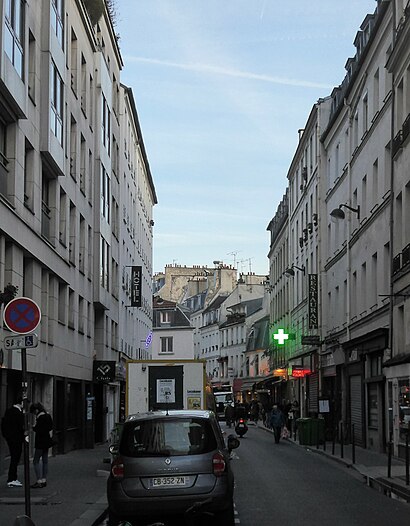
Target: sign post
[[22, 316]]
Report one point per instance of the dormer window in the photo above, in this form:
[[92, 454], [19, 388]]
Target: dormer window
[[165, 317]]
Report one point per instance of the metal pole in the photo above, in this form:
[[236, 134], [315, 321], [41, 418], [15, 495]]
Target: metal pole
[[334, 439], [26, 433], [353, 446], [341, 440], [389, 457], [407, 458]]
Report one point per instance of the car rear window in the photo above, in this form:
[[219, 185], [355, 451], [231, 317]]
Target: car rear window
[[167, 437]]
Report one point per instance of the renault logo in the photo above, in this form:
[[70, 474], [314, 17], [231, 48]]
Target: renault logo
[[167, 461]]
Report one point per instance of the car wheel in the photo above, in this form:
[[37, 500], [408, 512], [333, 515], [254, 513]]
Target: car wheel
[[226, 517]]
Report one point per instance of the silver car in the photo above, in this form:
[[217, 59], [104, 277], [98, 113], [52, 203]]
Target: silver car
[[171, 464]]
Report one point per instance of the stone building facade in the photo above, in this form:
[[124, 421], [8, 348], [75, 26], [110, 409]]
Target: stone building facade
[[62, 209]]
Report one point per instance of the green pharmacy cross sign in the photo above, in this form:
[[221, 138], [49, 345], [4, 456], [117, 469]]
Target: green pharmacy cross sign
[[281, 336]]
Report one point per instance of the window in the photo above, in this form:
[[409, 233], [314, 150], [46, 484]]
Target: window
[[165, 317], [45, 208], [166, 344], [105, 124], [83, 169], [62, 236], [57, 18], [62, 302], [14, 33], [104, 264], [81, 252], [167, 437], [105, 194], [3, 158], [31, 84], [71, 308], [56, 102], [28, 174], [74, 59], [73, 149], [81, 316]]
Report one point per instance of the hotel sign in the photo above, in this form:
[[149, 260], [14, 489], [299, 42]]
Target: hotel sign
[[136, 285], [312, 301]]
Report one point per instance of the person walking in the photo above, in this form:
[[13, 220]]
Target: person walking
[[12, 428], [42, 443], [277, 420]]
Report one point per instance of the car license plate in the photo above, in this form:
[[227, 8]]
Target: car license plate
[[158, 482]]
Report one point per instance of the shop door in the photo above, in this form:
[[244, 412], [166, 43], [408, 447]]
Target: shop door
[[356, 408]]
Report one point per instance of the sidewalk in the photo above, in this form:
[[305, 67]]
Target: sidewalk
[[75, 494], [372, 466]]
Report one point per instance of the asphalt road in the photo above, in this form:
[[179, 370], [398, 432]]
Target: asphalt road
[[289, 485]]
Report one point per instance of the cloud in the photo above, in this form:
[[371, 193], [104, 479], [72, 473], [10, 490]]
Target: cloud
[[207, 68]]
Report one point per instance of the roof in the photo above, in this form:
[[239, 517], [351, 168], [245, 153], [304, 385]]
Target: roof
[[216, 303]]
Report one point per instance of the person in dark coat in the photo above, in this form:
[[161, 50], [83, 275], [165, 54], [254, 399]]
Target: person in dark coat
[[277, 420], [12, 428], [42, 443]]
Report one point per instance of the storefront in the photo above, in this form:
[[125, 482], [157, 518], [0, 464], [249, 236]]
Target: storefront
[[397, 371]]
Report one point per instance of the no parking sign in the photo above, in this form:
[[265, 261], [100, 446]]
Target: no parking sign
[[22, 315]]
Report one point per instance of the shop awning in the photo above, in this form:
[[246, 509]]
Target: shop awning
[[397, 360]]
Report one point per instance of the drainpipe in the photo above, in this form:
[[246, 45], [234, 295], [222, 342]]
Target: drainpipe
[[391, 235], [348, 256]]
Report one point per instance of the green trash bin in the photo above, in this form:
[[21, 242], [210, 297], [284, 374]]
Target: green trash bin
[[305, 431]]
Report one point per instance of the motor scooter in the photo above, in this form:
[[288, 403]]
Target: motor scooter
[[241, 427]]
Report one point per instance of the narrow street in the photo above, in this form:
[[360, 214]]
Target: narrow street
[[287, 484]]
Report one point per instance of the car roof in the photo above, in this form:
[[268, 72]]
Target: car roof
[[182, 413]]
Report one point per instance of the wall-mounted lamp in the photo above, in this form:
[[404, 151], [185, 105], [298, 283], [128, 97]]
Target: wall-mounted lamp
[[339, 214], [290, 272]]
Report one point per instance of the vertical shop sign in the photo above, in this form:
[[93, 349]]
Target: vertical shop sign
[[136, 283], [313, 310]]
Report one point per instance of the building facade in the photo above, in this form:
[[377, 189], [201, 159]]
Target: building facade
[[61, 208]]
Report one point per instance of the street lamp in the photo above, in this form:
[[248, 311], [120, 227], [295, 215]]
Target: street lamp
[[290, 272], [338, 213]]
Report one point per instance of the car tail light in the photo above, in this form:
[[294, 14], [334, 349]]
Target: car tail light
[[117, 468], [218, 464], [241, 421]]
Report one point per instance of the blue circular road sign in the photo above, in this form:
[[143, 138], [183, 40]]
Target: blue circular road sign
[[22, 315]]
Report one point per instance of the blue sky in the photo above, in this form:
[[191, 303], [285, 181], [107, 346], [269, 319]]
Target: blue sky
[[222, 88]]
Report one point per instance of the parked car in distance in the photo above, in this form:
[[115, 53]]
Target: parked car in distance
[[171, 464]]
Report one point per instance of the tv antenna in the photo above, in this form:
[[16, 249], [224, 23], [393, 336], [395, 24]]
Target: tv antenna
[[249, 261], [234, 254]]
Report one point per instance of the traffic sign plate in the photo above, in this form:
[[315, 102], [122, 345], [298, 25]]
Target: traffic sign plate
[[22, 315], [27, 341]]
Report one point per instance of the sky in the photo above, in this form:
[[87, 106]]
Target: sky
[[222, 88]]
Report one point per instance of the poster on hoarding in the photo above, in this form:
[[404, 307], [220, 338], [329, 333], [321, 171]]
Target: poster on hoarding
[[166, 391]]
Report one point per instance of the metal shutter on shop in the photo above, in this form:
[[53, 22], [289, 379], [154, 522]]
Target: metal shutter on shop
[[356, 412], [314, 393]]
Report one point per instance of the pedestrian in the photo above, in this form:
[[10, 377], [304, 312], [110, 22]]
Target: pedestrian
[[42, 442], [12, 428], [277, 420], [229, 414]]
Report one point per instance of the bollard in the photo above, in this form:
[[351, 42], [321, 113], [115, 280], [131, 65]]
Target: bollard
[[353, 446], [407, 458], [342, 438], [389, 457]]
